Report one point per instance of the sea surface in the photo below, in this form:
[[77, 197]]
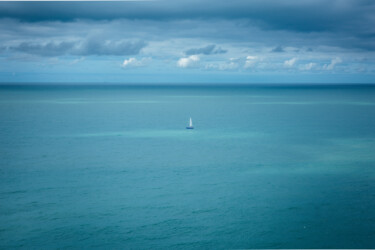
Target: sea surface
[[113, 167]]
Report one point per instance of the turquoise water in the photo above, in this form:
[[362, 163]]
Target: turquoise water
[[114, 167]]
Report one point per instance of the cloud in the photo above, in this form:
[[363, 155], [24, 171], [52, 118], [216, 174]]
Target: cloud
[[290, 63], [45, 49], [312, 18], [116, 48], [287, 14], [234, 63], [133, 62], [278, 49], [308, 66], [187, 62], [208, 50], [86, 47], [129, 62], [78, 60], [250, 61], [333, 63]]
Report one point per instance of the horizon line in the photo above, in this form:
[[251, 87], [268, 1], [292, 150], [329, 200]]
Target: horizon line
[[187, 84]]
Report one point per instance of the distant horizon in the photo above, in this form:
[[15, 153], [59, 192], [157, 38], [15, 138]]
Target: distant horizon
[[212, 84]]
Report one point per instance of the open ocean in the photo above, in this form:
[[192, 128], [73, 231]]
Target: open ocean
[[113, 167]]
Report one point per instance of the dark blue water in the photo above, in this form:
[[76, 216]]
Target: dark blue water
[[114, 167]]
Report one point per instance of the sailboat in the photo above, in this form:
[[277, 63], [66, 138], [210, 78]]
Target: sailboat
[[190, 125]]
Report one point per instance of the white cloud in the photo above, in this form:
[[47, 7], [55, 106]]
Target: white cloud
[[231, 64], [333, 63], [251, 57], [250, 61], [186, 62], [133, 62], [290, 63], [308, 66], [222, 66]]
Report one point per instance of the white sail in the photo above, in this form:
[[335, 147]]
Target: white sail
[[191, 123]]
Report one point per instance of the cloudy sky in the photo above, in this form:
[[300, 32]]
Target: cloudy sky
[[188, 41]]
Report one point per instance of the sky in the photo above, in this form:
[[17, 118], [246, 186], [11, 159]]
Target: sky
[[188, 41]]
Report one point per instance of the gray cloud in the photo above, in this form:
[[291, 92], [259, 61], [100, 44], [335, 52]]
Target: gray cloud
[[207, 50], [116, 48], [86, 48], [304, 16], [350, 23], [278, 49], [48, 49]]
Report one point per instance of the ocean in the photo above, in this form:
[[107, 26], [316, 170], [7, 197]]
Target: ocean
[[113, 167]]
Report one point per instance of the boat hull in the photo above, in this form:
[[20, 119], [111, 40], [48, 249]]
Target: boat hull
[[189, 127]]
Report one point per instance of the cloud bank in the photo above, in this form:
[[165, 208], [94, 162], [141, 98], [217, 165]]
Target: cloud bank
[[82, 48]]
